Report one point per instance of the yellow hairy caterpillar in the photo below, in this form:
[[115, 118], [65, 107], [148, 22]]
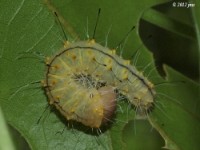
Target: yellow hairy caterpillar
[[81, 81]]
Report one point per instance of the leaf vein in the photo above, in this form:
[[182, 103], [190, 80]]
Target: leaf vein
[[40, 39], [16, 12]]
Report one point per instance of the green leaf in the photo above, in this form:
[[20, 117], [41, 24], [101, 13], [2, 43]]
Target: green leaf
[[6, 142], [30, 32], [177, 116]]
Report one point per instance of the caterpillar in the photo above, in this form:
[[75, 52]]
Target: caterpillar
[[30, 103], [81, 81]]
